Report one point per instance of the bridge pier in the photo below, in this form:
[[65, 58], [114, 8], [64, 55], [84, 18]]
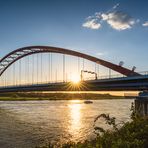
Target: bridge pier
[[141, 104]]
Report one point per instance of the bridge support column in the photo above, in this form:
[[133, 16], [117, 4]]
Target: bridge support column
[[141, 104]]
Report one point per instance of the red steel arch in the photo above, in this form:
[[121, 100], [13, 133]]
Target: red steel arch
[[15, 55]]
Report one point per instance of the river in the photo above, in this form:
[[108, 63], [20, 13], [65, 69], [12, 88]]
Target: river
[[26, 124]]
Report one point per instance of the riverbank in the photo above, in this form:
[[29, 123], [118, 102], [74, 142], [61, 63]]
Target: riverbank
[[56, 96], [134, 134], [131, 135]]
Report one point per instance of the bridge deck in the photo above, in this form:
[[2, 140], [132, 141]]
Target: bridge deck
[[118, 84]]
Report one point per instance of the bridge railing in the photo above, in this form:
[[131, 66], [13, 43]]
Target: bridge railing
[[105, 77], [68, 80], [144, 72], [119, 75], [113, 76]]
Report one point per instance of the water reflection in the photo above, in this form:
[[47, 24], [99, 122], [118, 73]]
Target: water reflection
[[75, 117], [37, 122]]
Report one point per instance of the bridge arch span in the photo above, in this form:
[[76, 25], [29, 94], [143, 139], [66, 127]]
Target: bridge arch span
[[17, 54]]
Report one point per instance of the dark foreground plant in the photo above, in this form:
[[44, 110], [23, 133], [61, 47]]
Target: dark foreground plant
[[132, 134]]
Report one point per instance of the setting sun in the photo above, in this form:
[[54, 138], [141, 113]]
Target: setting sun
[[75, 79], [74, 73]]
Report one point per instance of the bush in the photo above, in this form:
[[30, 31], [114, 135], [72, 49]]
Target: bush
[[132, 134]]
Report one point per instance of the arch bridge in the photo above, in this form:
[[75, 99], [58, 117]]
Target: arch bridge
[[132, 79]]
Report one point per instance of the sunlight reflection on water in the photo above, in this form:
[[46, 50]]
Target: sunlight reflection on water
[[75, 114], [35, 122]]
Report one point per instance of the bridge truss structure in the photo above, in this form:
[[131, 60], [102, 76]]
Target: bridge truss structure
[[16, 55]]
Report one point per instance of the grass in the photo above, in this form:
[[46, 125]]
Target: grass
[[55, 96], [20, 99]]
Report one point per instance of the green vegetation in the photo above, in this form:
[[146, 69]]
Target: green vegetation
[[55, 96], [132, 134]]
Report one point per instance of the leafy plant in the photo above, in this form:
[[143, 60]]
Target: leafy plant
[[132, 134]]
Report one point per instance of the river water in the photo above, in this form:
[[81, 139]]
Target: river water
[[27, 124]]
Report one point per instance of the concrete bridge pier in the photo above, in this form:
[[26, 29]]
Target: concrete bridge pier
[[141, 104]]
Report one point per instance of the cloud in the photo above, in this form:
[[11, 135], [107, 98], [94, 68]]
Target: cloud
[[92, 24], [118, 20], [101, 53], [115, 6], [145, 24]]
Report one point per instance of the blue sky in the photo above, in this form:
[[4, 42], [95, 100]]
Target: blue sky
[[114, 30]]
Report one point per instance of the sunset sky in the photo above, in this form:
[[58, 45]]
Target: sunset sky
[[114, 30]]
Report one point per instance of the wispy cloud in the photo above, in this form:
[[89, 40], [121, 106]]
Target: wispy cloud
[[92, 24], [145, 24], [115, 6], [101, 53], [118, 20]]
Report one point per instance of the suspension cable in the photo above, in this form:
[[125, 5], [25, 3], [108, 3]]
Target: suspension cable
[[49, 68], [33, 68], [20, 72], [41, 69], [83, 68], [14, 74], [98, 70], [37, 68], [63, 67], [28, 69], [78, 65]]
